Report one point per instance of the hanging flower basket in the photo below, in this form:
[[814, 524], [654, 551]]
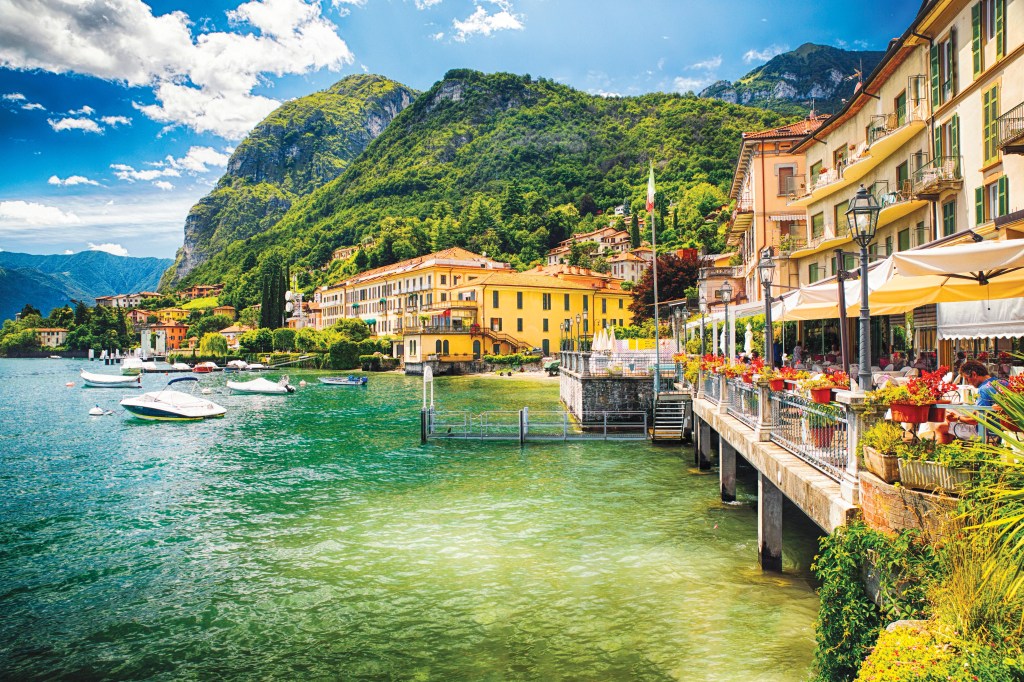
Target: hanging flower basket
[[777, 384], [886, 467], [821, 395], [909, 413], [932, 476], [936, 413]]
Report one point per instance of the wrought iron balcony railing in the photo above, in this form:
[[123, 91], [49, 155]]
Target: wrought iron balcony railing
[[1011, 130], [941, 173]]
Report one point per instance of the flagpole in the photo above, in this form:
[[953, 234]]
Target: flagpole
[[654, 273]]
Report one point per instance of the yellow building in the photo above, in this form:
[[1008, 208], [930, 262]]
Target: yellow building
[[176, 314], [456, 305]]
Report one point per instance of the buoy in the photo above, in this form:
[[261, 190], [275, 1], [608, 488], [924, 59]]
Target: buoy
[[302, 383], [96, 411], [206, 391], [70, 384]]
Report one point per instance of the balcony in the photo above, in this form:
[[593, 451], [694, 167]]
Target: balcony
[[828, 239], [790, 244], [732, 271], [943, 173], [897, 203], [793, 186], [1011, 131], [441, 306], [441, 329]]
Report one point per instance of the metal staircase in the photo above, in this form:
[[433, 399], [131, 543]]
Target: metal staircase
[[672, 417]]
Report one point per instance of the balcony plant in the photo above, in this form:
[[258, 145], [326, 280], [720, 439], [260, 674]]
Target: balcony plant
[[821, 423], [820, 387], [792, 376], [878, 445], [732, 369], [908, 406], [936, 467], [773, 377], [942, 392]]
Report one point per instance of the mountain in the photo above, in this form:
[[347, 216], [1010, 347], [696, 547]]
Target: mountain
[[811, 76], [302, 145], [490, 161], [47, 282]]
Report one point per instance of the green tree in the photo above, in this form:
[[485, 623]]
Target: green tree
[[273, 280], [512, 201], [634, 231], [676, 274], [256, 341], [20, 341], [587, 205], [62, 317], [344, 354], [250, 317], [308, 339], [28, 310], [213, 343], [352, 328], [284, 339]]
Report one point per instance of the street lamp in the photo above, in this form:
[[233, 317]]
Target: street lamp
[[586, 329], [578, 318], [766, 268], [862, 219], [703, 312], [726, 294], [677, 316]]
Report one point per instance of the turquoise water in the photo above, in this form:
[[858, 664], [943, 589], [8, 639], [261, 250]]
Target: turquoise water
[[313, 537]]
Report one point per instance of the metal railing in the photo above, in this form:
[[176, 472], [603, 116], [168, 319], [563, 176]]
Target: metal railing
[[814, 433], [637, 363], [1011, 126], [712, 388], [938, 170], [744, 402], [535, 425], [793, 186], [745, 203]]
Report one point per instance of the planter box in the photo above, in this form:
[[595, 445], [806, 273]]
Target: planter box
[[937, 413], [931, 476], [886, 467], [910, 414], [777, 384], [821, 395]]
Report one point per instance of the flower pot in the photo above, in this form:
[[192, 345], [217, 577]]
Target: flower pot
[[748, 378], [932, 476], [910, 414], [777, 384], [936, 413], [886, 467], [821, 436], [821, 395]]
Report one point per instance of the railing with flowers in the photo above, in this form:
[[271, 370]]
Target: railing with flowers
[[712, 388], [744, 402], [814, 432]]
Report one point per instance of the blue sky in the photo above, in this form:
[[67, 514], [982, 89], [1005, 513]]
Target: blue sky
[[116, 116]]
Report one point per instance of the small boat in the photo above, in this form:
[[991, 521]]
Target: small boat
[[236, 366], [170, 405], [205, 367], [53, 357], [344, 381], [256, 366], [111, 380], [263, 386], [182, 367], [131, 366]]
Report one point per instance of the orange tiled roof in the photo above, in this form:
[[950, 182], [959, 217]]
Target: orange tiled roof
[[798, 129], [454, 252]]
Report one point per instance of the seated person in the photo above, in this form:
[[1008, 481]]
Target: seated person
[[977, 375]]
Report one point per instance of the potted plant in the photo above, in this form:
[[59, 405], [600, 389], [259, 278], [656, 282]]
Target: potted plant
[[942, 392], [793, 376], [906, 406], [935, 467], [879, 445], [821, 422], [820, 388], [774, 378]]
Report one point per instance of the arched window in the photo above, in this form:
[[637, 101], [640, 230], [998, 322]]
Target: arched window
[[445, 346], [437, 346]]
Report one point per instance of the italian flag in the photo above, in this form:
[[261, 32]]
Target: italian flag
[[650, 190]]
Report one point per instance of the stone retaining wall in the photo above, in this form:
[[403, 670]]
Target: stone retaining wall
[[892, 508]]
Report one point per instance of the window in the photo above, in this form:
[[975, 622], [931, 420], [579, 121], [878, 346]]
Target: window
[[585, 301], [437, 346], [604, 306], [902, 176], [987, 24], [840, 215], [888, 245], [620, 304], [903, 239], [947, 140], [900, 106], [519, 324], [815, 172], [990, 126], [839, 158], [519, 300], [546, 301], [444, 279], [786, 185], [812, 273], [495, 324], [817, 225], [943, 69], [545, 327], [494, 299], [566, 301], [948, 218], [992, 200]]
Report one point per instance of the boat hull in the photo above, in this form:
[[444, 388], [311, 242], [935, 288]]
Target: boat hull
[[172, 406], [330, 381], [150, 414], [111, 381]]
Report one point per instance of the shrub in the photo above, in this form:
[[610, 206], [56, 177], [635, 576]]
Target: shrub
[[344, 354], [883, 436], [284, 339], [513, 359]]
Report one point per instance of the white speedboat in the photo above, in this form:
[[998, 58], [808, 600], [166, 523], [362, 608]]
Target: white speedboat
[[111, 380], [263, 386], [170, 405], [132, 366], [181, 367], [344, 381], [236, 366]]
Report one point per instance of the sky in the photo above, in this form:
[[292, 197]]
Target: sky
[[116, 116]]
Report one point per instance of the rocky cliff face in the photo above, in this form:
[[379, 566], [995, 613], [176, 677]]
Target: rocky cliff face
[[815, 76], [302, 145]]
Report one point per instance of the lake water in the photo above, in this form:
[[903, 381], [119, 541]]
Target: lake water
[[312, 537]]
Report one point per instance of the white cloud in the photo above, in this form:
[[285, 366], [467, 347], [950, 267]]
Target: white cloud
[[114, 121], [485, 24], [33, 105], [86, 125], [86, 110], [71, 180], [115, 249], [21, 213], [438, 36], [129, 174], [708, 64], [163, 185], [764, 55], [68, 252], [685, 84], [426, 4], [199, 159], [14, 97], [204, 81]]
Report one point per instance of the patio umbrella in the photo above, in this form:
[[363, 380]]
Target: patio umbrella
[[612, 343], [598, 343], [964, 272], [821, 301]]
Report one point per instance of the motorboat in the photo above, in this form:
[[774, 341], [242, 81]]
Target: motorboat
[[344, 381], [236, 366], [171, 405], [111, 380], [181, 367], [131, 366], [205, 367], [256, 366], [262, 386]]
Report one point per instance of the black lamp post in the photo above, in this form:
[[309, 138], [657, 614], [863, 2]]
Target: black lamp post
[[766, 268], [578, 319], [703, 312], [862, 218], [726, 293], [677, 316], [586, 330]]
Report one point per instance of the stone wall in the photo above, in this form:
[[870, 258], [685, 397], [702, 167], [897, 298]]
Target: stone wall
[[587, 394], [890, 508]]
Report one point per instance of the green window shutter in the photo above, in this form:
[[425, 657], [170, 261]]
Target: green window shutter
[[954, 137], [951, 57], [979, 205], [1003, 190], [938, 143], [1000, 29], [935, 76], [976, 37]]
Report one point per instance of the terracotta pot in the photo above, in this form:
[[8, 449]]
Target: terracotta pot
[[910, 414], [777, 384], [886, 467], [748, 378], [821, 395], [936, 413], [822, 436]]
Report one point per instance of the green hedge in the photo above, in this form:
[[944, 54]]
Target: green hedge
[[377, 363], [514, 359]]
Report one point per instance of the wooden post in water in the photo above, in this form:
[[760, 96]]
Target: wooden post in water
[[769, 524]]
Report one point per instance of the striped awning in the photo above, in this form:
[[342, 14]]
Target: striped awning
[[787, 217]]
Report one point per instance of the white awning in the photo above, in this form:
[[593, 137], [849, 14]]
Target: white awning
[[787, 217], [999, 319]]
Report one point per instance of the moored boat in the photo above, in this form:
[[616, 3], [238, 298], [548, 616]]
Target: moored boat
[[344, 381], [262, 386], [205, 367], [171, 405], [111, 380]]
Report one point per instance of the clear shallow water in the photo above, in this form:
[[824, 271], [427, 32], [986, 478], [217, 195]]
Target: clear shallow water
[[312, 537]]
